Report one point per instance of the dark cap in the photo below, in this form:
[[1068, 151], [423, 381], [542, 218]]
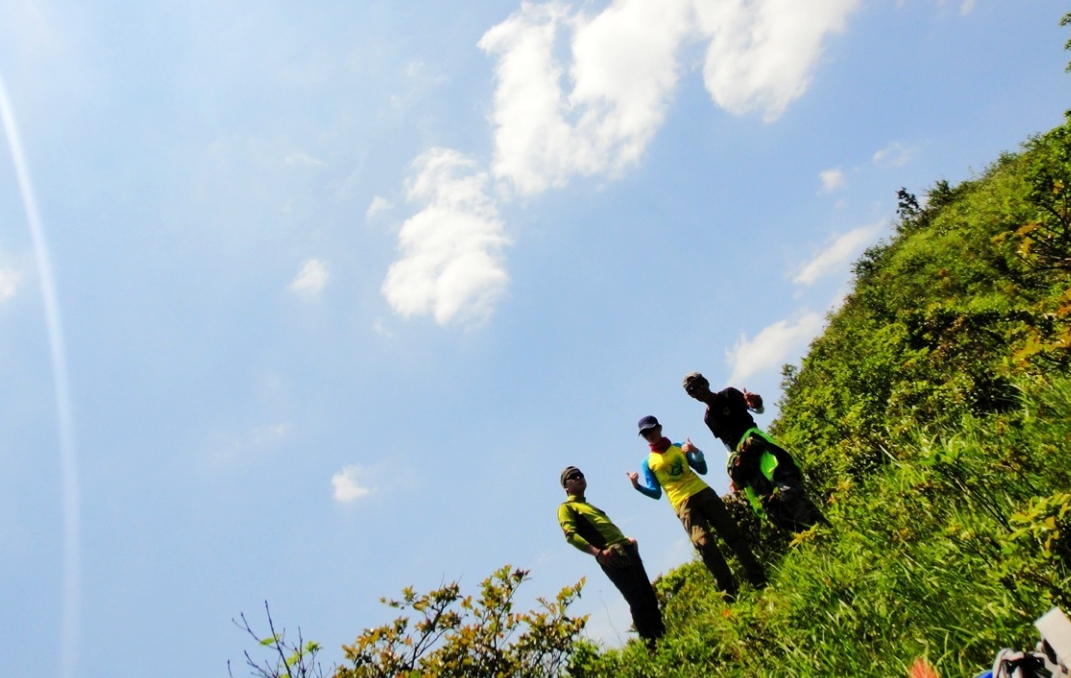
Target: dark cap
[[691, 378], [569, 470], [647, 423]]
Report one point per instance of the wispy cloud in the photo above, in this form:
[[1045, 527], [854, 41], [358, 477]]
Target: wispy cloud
[[832, 179], [311, 278], [836, 257], [380, 328], [893, 155], [379, 204], [771, 346], [229, 448], [9, 283], [304, 160], [451, 250], [347, 484]]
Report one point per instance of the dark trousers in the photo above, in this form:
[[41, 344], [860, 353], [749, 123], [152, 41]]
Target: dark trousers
[[789, 508], [704, 512], [631, 580]]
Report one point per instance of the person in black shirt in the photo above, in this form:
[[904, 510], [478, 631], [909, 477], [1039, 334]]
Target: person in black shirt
[[763, 470]]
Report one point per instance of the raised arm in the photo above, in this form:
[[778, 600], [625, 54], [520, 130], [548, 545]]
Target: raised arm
[[652, 489], [754, 402], [695, 457]]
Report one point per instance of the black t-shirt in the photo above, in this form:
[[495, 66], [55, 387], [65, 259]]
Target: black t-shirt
[[727, 416]]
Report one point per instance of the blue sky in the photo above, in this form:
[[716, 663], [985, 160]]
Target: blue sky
[[339, 288]]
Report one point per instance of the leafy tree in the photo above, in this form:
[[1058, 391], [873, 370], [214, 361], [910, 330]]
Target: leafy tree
[[451, 636], [455, 636], [290, 659]]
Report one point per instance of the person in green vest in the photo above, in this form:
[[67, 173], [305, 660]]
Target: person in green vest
[[591, 531], [673, 467], [760, 468]]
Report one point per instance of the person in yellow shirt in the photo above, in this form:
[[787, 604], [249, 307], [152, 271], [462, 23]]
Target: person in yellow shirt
[[591, 531], [674, 468]]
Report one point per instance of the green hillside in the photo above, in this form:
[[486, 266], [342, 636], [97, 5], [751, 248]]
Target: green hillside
[[933, 417]]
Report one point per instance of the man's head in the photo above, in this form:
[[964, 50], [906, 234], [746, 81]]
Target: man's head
[[697, 386], [573, 481], [650, 429]]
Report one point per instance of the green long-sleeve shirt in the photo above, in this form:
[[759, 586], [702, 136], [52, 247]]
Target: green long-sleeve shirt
[[584, 525]]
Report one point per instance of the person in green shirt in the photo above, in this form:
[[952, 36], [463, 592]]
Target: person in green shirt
[[591, 531]]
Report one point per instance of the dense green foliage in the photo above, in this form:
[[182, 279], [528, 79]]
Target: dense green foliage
[[932, 418]]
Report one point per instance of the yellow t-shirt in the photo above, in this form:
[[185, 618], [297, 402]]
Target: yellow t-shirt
[[671, 470]]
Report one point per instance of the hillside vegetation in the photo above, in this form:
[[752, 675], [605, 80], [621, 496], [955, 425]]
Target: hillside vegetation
[[932, 419]]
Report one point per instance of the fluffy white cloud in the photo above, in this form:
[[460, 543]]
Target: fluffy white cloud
[[762, 53], [893, 155], [836, 257], [451, 250], [347, 485], [771, 346], [832, 179], [580, 94], [311, 278], [623, 70]]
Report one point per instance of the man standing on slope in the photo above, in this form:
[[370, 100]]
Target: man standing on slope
[[588, 529], [767, 474], [699, 508]]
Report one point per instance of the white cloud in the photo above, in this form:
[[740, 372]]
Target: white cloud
[[379, 204], [304, 159], [624, 69], [837, 256], [347, 484], [771, 346], [9, 283], [451, 262], [230, 448], [269, 435], [311, 278], [966, 7], [380, 328], [762, 54], [832, 179], [581, 94], [893, 155]]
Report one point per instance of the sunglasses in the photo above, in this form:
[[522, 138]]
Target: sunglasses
[[574, 476]]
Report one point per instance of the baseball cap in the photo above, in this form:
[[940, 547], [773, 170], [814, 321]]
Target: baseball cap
[[646, 423]]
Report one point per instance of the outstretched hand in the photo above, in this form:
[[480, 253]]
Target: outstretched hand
[[634, 477], [752, 400]]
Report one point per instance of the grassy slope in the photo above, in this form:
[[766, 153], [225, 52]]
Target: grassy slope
[[933, 418]]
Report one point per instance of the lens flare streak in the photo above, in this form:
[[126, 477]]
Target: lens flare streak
[[68, 457]]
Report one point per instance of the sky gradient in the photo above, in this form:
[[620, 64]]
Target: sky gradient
[[308, 303]]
